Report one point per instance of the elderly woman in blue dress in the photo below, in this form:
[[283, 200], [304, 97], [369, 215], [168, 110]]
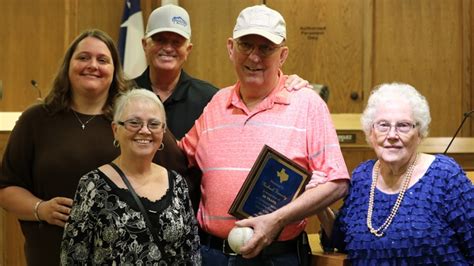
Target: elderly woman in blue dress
[[405, 207]]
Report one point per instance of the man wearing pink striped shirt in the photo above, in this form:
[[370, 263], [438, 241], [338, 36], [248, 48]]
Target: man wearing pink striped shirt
[[239, 120]]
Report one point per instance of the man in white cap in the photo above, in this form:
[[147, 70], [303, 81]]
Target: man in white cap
[[239, 120], [167, 44]]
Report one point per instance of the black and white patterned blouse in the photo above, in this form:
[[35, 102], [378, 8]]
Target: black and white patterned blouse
[[106, 226]]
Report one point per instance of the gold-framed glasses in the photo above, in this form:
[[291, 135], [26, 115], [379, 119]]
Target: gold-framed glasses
[[135, 125], [402, 127], [264, 50]]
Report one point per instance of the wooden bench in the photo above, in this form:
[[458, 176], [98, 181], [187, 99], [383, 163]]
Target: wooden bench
[[470, 175], [321, 258]]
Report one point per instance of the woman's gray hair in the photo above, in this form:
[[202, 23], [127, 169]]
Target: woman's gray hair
[[385, 92], [137, 94]]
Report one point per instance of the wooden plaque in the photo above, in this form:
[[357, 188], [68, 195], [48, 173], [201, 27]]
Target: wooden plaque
[[273, 182]]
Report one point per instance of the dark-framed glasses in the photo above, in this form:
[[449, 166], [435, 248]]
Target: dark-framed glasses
[[400, 127], [263, 49], [134, 125]]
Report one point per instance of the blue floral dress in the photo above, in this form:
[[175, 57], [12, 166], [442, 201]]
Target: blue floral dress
[[434, 224], [106, 226]]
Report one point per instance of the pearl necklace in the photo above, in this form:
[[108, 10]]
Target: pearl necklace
[[379, 232], [83, 125]]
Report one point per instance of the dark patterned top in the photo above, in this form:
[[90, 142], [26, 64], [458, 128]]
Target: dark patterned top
[[106, 226], [47, 154], [434, 224]]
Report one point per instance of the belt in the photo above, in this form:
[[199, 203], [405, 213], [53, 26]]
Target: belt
[[275, 248]]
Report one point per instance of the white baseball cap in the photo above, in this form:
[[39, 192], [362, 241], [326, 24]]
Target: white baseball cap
[[169, 18], [263, 21]]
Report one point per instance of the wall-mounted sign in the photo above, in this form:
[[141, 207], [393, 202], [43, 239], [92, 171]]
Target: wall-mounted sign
[[312, 32]]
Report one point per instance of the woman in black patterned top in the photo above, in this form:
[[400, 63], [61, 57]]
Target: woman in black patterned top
[[106, 225]]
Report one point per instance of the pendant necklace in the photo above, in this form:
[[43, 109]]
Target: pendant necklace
[[83, 125]]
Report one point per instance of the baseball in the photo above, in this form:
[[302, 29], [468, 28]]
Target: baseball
[[238, 236]]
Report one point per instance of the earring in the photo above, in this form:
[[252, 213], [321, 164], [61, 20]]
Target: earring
[[116, 143], [162, 146]]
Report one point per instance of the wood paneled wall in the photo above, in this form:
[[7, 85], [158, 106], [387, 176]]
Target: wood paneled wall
[[353, 45], [326, 41], [424, 44], [349, 45], [38, 34]]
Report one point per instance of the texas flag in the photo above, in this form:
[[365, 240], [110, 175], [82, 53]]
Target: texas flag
[[130, 44]]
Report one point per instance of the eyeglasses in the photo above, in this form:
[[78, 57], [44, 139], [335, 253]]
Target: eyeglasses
[[134, 125], [263, 49], [400, 127]]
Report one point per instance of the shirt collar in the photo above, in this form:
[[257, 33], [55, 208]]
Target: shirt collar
[[180, 91], [279, 95]]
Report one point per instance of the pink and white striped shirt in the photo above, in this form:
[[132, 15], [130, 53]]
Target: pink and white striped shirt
[[227, 138]]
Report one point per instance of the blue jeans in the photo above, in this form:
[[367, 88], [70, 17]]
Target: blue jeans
[[215, 257]]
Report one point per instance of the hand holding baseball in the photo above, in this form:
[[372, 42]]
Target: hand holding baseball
[[238, 237]]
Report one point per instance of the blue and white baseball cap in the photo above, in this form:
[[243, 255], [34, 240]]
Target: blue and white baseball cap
[[169, 18]]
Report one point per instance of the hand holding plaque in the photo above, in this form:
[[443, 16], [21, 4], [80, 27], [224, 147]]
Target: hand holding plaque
[[273, 182]]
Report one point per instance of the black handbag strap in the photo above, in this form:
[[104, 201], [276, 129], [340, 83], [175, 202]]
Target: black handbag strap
[[135, 196]]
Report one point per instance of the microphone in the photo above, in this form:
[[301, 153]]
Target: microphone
[[466, 115], [35, 85]]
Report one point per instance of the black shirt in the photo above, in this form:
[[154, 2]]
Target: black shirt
[[186, 103]]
